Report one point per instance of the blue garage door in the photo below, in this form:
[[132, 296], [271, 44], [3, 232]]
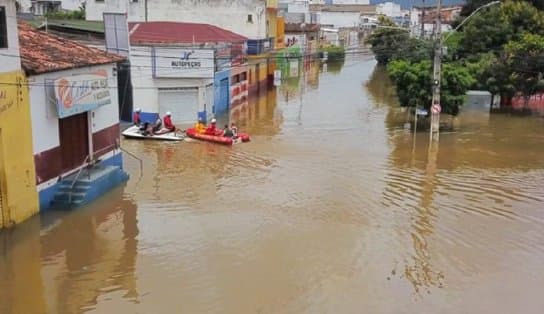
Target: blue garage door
[[223, 104]]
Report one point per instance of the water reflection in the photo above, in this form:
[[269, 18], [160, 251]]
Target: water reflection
[[475, 169], [334, 206], [66, 262]]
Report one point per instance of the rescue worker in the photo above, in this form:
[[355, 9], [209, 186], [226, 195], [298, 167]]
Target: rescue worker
[[234, 130], [212, 128], [200, 127], [227, 132], [168, 125], [136, 117]]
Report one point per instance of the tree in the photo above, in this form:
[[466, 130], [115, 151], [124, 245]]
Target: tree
[[491, 29], [386, 42], [525, 60], [414, 84]]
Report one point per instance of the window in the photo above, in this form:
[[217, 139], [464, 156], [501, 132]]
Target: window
[[250, 18], [243, 76], [3, 28]]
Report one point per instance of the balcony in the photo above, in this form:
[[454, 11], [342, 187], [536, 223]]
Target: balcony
[[260, 46]]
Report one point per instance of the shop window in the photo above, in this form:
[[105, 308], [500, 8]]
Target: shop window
[[3, 28]]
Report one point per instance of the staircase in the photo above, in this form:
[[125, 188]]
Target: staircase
[[89, 185]]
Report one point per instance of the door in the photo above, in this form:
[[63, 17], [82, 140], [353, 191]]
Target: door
[[223, 105], [182, 103], [74, 141]]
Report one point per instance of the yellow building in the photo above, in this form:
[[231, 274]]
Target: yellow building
[[18, 194]]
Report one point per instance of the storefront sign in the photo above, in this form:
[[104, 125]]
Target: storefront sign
[[79, 93], [183, 63]]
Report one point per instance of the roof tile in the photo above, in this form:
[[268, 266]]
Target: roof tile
[[180, 33], [43, 52]]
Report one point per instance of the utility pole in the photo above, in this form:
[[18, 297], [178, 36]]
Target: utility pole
[[437, 64], [422, 34]]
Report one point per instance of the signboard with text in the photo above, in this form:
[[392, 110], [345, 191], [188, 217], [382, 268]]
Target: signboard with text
[[79, 93], [171, 62]]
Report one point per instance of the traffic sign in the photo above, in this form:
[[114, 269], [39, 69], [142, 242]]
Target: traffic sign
[[436, 109]]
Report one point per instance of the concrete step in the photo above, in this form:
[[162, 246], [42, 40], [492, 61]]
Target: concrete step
[[75, 189], [66, 196], [89, 186], [79, 184]]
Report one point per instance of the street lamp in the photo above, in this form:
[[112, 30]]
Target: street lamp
[[435, 105]]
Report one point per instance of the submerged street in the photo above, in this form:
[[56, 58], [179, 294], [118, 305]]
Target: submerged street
[[333, 207]]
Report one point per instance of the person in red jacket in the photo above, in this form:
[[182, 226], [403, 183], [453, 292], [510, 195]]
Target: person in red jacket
[[212, 128], [136, 117], [168, 122], [168, 125]]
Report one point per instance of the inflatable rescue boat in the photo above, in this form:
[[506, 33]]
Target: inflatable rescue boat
[[218, 138]]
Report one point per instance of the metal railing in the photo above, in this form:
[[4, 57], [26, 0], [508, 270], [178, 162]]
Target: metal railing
[[77, 178]]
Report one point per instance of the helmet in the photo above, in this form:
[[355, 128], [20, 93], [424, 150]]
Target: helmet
[[213, 120], [168, 113], [138, 110]]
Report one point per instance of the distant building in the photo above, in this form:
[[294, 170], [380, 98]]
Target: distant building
[[389, 9], [342, 16], [424, 18], [186, 68], [247, 18], [350, 2], [42, 7]]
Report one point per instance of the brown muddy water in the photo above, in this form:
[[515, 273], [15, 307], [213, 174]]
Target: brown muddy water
[[334, 207]]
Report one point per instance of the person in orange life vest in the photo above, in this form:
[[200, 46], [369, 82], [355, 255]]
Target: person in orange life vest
[[212, 128], [136, 116], [168, 125], [200, 127]]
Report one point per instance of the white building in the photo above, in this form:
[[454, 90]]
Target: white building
[[9, 43], [342, 16], [41, 7], [174, 65], [74, 112], [245, 17], [350, 1], [389, 9]]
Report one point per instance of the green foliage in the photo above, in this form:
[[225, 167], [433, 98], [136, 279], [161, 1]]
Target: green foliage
[[67, 15], [525, 63], [414, 84], [335, 53], [388, 42], [492, 28]]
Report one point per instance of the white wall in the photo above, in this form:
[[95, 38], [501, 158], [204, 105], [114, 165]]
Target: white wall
[[298, 6], [351, 1], [340, 19], [231, 15], [71, 5], [9, 57], [45, 126], [145, 87], [389, 9]]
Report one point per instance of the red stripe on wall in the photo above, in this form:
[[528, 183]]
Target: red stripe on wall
[[105, 140], [48, 164]]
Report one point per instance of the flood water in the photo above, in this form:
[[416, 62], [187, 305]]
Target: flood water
[[333, 207]]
